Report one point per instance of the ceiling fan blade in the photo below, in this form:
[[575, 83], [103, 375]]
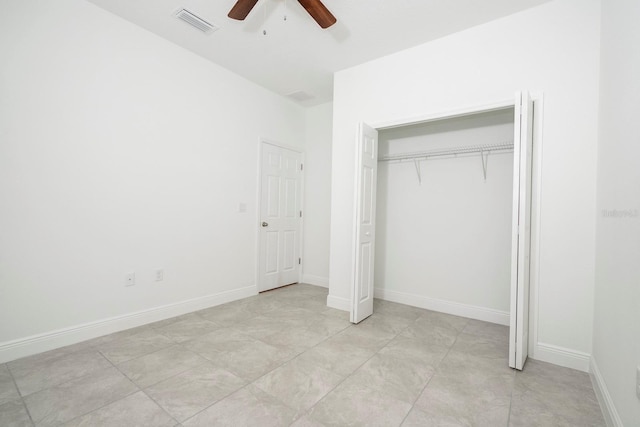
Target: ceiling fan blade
[[319, 12], [241, 9]]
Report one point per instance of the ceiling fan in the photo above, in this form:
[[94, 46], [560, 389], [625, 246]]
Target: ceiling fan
[[315, 8]]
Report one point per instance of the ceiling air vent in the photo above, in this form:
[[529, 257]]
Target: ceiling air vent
[[300, 96], [195, 21]]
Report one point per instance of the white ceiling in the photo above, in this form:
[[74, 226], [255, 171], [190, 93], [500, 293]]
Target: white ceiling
[[296, 54]]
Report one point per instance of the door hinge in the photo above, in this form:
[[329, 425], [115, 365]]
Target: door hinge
[[299, 261], [301, 166], [300, 214]]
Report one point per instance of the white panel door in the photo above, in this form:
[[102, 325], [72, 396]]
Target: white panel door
[[280, 217], [521, 232], [365, 223]]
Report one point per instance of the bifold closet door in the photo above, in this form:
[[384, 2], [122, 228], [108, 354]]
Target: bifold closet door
[[521, 232], [365, 223]]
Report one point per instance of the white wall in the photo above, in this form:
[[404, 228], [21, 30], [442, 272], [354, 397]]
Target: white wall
[[447, 240], [317, 202], [551, 49], [119, 152], [616, 344]]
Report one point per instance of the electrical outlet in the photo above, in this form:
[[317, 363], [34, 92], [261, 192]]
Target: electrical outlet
[[159, 275], [638, 382], [130, 279]]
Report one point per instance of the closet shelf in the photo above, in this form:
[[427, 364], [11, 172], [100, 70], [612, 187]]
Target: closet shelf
[[423, 155]]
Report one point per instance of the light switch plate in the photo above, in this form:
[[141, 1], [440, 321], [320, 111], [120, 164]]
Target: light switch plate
[[130, 279]]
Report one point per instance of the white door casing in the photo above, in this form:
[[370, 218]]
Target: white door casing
[[280, 217], [521, 231], [365, 223]]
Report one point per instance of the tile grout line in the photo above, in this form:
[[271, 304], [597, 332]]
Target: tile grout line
[[367, 360], [513, 388], [253, 381], [511, 401], [295, 357], [67, 381], [108, 403], [160, 406], [356, 369], [176, 345], [13, 379], [217, 401], [90, 350], [157, 331], [24, 403], [413, 405], [397, 335], [213, 363]]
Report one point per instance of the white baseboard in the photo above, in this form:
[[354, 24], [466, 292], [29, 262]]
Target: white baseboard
[[609, 410], [562, 356], [15, 349], [449, 307], [315, 280], [338, 303]]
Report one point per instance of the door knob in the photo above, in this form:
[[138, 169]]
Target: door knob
[[265, 224]]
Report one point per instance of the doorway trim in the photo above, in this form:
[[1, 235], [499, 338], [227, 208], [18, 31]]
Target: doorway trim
[[445, 114], [257, 217]]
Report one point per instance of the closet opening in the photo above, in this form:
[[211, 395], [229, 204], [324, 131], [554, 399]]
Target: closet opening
[[443, 216]]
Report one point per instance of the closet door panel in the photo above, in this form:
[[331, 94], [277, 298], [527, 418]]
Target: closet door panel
[[521, 240], [365, 224]]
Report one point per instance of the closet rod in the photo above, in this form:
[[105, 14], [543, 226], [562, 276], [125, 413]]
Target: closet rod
[[507, 146]]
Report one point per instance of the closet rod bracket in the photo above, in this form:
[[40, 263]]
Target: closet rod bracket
[[485, 160], [416, 163]]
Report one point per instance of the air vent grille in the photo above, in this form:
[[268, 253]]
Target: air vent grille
[[300, 96], [195, 21]]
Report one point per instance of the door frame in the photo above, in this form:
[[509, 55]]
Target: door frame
[[536, 186], [258, 200]]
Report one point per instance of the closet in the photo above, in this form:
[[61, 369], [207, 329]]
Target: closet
[[442, 218], [443, 215]]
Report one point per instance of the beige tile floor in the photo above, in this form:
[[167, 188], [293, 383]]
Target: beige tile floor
[[283, 358]]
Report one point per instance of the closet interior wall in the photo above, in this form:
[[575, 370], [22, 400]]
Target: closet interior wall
[[443, 236]]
